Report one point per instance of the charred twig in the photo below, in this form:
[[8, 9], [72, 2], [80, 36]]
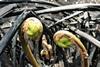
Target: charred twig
[[77, 7], [66, 18], [40, 2], [85, 35], [7, 9], [8, 36]]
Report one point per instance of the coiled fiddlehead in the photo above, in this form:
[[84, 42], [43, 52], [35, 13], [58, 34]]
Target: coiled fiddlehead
[[65, 39], [30, 29]]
